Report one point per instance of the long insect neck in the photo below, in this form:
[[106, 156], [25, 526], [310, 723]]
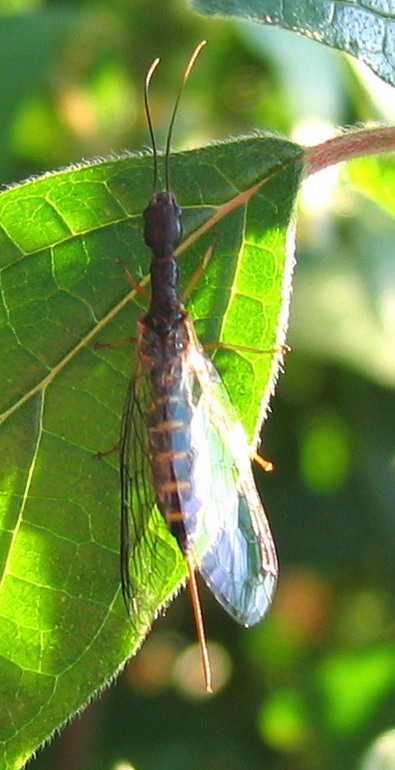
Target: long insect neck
[[170, 412], [163, 230], [162, 233], [165, 299]]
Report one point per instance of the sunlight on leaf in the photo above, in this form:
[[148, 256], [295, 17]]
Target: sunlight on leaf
[[375, 177], [64, 630]]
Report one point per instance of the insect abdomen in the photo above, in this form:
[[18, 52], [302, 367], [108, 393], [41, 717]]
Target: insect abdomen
[[172, 457]]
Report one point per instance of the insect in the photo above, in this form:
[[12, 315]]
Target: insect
[[182, 446]]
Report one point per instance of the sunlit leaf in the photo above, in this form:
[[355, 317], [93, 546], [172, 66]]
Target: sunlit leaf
[[375, 177], [64, 629]]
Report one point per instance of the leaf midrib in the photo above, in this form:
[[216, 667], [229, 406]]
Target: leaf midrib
[[220, 212]]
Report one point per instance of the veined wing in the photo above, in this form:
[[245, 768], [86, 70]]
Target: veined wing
[[231, 537], [137, 491]]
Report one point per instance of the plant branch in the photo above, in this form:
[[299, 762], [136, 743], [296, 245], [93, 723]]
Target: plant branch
[[354, 144]]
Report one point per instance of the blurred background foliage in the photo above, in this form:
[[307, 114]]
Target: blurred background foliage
[[313, 686]]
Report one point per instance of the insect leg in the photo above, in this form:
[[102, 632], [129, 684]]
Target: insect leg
[[280, 350], [266, 465], [199, 272], [139, 288], [115, 448], [115, 343]]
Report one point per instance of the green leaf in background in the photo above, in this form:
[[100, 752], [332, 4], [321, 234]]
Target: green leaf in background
[[362, 678], [343, 310], [375, 177], [365, 30], [63, 629], [29, 50]]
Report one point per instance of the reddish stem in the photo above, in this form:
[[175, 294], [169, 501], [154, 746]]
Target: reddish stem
[[354, 144]]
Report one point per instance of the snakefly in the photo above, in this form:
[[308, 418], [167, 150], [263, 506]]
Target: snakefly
[[182, 447]]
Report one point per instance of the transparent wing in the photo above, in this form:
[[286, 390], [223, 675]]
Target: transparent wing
[[225, 524], [230, 537], [137, 492]]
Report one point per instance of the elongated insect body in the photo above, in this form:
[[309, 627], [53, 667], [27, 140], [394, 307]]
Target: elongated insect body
[[184, 450], [200, 469]]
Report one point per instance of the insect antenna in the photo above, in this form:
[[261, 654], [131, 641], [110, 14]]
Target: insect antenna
[[173, 116], [149, 120], [175, 109]]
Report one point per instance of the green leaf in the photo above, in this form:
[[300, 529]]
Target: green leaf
[[29, 47], [364, 29], [353, 684], [375, 177], [331, 299], [63, 629]]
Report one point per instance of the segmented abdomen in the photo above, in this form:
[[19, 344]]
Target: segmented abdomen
[[171, 455]]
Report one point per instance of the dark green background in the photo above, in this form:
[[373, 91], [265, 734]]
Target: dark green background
[[314, 684]]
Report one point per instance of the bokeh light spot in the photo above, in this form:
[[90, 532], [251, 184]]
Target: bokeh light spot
[[283, 721], [188, 671]]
